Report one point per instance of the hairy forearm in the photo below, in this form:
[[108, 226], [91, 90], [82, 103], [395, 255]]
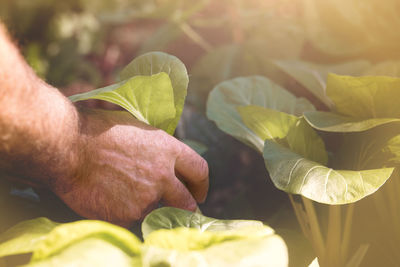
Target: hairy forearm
[[38, 125]]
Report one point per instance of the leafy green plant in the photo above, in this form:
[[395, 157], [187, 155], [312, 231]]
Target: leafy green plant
[[172, 237], [153, 89], [53, 244], [180, 238], [298, 161], [334, 157]]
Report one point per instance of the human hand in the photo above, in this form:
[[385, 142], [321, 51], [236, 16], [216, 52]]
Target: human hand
[[127, 167], [103, 164]]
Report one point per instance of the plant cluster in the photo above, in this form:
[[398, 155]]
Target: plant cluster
[[172, 237], [291, 136], [309, 85], [153, 89]]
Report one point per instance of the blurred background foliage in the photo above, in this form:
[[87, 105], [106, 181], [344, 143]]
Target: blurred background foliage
[[78, 45]]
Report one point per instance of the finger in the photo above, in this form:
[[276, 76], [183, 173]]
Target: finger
[[194, 172], [177, 195]]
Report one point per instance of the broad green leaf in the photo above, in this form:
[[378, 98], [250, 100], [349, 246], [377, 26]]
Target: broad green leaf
[[303, 140], [175, 237], [89, 252], [269, 251], [365, 97], [187, 239], [54, 244], [149, 98], [361, 103], [170, 218], [254, 90], [295, 174], [68, 234], [313, 76], [156, 62], [267, 123], [332, 122], [288, 130], [25, 236]]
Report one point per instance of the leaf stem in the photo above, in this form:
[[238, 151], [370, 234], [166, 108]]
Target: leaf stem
[[301, 217], [346, 232], [357, 258], [317, 239], [381, 203], [333, 238]]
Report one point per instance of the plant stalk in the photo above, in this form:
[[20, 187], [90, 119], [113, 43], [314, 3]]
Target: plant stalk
[[301, 217], [344, 252], [317, 238], [333, 238]]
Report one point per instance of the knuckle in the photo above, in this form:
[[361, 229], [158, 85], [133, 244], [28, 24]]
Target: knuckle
[[178, 148], [203, 169]]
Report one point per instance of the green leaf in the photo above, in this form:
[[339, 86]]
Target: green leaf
[[288, 130], [365, 97], [89, 252], [361, 103], [187, 239], [149, 98], [332, 122], [182, 238], [54, 244], [303, 140], [267, 123], [170, 218], [25, 236], [269, 251], [254, 90], [295, 174], [156, 62], [313, 76], [67, 234]]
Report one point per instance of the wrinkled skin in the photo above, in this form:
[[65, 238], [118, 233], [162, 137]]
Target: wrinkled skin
[[126, 167]]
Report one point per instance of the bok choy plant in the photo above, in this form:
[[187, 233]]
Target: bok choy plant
[[153, 89], [172, 237], [323, 160]]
